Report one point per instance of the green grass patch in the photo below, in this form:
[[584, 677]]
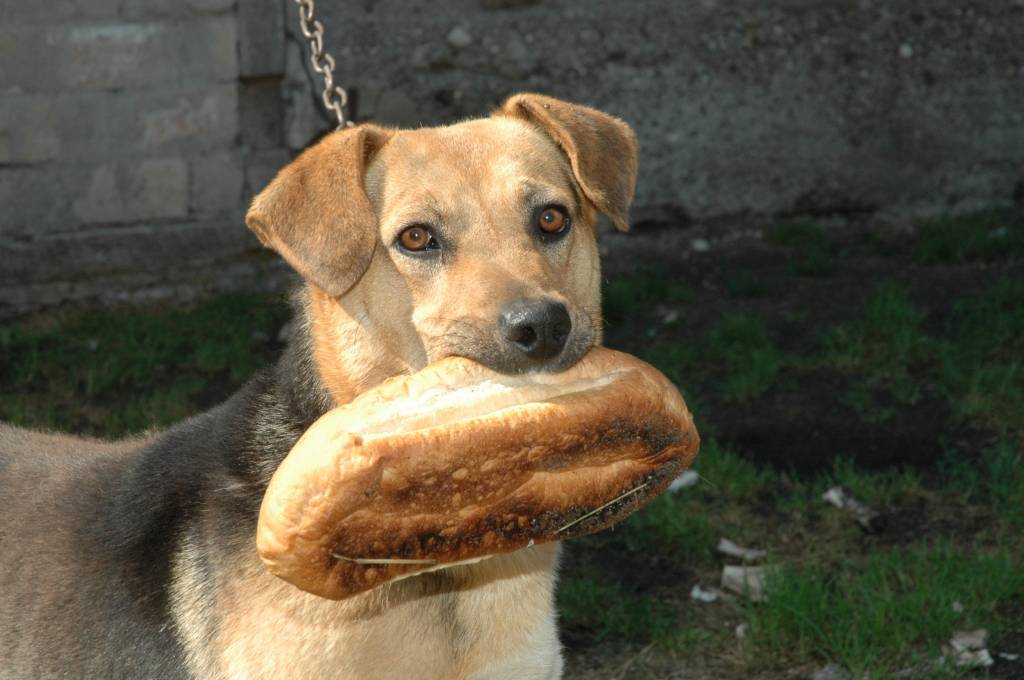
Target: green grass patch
[[878, 489], [982, 362], [594, 605], [881, 489], [117, 371], [978, 363], [728, 475], [984, 235], [674, 359], [889, 610], [1004, 467], [885, 348], [678, 361], [741, 346], [993, 478], [624, 296], [671, 525], [685, 526]]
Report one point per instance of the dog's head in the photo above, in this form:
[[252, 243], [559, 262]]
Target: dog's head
[[476, 239]]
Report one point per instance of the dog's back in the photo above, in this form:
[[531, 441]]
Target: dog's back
[[71, 589]]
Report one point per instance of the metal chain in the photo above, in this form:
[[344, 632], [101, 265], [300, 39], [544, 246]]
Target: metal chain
[[334, 96]]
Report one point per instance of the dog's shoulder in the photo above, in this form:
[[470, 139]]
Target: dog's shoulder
[[87, 537]]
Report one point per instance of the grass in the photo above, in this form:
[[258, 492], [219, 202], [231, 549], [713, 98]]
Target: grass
[[978, 362], [985, 235], [593, 605], [1003, 465], [621, 297], [982, 364], [888, 610], [875, 612], [681, 526], [674, 359], [671, 525], [995, 478], [133, 369], [741, 345], [737, 346], [726, 474], [677, 526], [880, 490], [875, 604], [737, 350], [884, 348]]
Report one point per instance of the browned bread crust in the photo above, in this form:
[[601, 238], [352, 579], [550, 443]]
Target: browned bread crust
[[458, 462]]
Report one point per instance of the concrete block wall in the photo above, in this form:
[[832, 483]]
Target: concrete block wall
[[131, 136], [746, 107], [133, 132]]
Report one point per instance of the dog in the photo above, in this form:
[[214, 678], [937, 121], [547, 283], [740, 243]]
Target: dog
[[136, 559]]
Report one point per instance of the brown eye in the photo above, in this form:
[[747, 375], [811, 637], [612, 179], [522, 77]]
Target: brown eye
[[417, 238], [553, 220]]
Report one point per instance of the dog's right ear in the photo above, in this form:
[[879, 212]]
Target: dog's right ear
[[602, 149], [315, 212]]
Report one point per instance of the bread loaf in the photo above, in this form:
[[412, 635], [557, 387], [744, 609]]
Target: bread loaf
[[458, 462]]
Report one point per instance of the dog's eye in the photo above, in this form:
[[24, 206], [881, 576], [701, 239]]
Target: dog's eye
[[417, 238], [553, 220]]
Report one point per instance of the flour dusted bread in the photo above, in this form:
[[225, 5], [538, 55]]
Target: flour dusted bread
[[458, 462]]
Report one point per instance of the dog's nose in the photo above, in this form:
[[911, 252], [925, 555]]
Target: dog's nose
[[537, 328]]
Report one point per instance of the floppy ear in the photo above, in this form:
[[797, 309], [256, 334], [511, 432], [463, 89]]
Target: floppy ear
[[602, 149], [315, 212]]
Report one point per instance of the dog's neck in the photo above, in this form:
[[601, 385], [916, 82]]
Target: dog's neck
[[330, 359], [264, 625], [347, 353]]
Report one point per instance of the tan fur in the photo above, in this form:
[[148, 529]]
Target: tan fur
[[396, 319], [314, 200], [602, 149], [494, 619], [375, 312]]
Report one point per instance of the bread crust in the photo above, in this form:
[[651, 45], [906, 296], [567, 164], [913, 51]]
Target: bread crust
[[365, 487]]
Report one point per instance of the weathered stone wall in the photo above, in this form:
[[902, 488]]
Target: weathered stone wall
[[749, 106], [133, 132]]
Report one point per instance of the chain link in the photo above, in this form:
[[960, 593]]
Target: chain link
[[334, 96]]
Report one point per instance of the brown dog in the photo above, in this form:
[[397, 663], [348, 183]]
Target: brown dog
[[476, 239]]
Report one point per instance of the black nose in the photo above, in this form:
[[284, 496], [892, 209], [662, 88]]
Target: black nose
[[537, 328]]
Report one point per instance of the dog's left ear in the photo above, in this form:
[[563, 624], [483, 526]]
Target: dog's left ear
[[315, 212], [602, 149]]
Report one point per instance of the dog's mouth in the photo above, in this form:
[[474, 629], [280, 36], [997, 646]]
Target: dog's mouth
[[443, 469], [483, 343], [445, 406], [502, 359]]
